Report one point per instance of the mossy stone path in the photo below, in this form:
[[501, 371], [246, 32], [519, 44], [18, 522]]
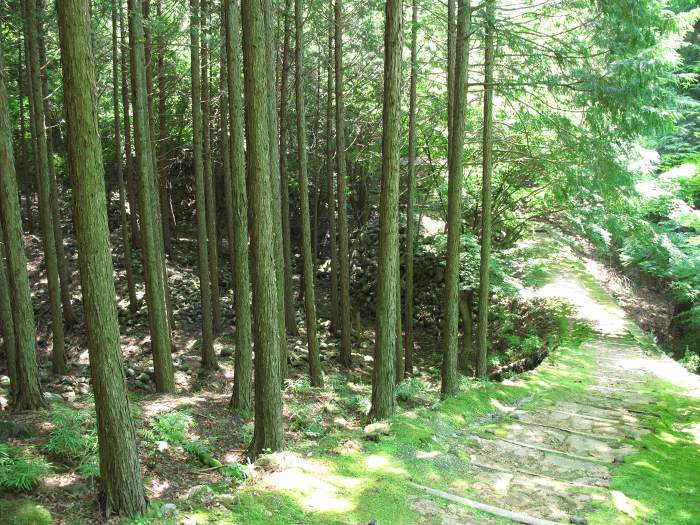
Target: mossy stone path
[[556, 457]]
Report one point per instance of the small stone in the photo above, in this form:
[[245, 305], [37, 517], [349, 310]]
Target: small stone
[[130, 372], [143, 377], [150, 371], [199, 493], [578, 520], [169, 509], [375, 430], [52, 398], [4, 381], [226, 500], [69, 395]]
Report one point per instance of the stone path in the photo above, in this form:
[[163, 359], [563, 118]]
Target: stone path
[[552, 459]]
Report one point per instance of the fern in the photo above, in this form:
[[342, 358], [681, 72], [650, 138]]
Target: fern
[[20, 470]]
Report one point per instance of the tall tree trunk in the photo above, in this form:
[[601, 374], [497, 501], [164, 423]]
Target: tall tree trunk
[[120, 471], [487, 170], [388, 289], [410, 191], [242, 398], [315, 222], [343, 252], [163, 141], [27, 389], [466, 354], [307, 255], [58, 354], [273, 144], [289, 310], [126, 238], [7, 328], [268, 433], [63, 271], [210, 201], [330, 179], [208, 355], [22, 163], [153, 257], [450, 377], [132, 190]]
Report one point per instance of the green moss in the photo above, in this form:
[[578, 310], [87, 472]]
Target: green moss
[[23, 512]]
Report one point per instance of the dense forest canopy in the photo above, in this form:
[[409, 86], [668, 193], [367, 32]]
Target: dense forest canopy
[[360, 201]]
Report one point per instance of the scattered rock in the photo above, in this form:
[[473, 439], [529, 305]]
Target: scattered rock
[[130, 372], [69, 395], [578, 520], [52, 398], [169, 509], [226, 500], [200, 493], [143, 376], [375, 431], [4, 381]]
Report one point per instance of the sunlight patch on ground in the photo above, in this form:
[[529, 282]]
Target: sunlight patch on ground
[[628, 506], [667, 369], [313, 485], [694, 431]]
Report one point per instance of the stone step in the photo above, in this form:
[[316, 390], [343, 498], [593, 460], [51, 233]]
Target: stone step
[[599, 428], [513, 456], [561, 441]]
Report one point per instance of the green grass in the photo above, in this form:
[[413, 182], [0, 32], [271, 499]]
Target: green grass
[[23, 512]]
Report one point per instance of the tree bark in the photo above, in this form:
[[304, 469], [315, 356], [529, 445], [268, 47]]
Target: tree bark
[[289, 310], [163, 141], [410, 192], [466, 354], [120, 471], [487, 170], [58, 354], [208, 355], [209, 199], [61, 260], [28, 390], [330, 179], [268, 433], [132, 190], [343, 252], [388, 289], [124, 220], [7, 328], [153, 257], [273, 144], [450, 377], [316, 375]]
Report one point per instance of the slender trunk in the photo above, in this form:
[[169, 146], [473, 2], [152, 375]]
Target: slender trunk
[[388, 258], [22, 163], [126, 240], [208, 355], [63, 271], [58, 354], [486, 190], [122, 484], [330, 179], [451, 63], [132, 190], [275, 184], [343, 252], [289, 311], [209, 211], [268, 432], [153, 257], [307, 255], [315, 222], [241, 399], [466, 354], [7, 328], [410, 191], [450, 376], [27, 389], [163, 141]]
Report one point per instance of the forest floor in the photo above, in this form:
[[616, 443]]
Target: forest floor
[[605, 431]]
